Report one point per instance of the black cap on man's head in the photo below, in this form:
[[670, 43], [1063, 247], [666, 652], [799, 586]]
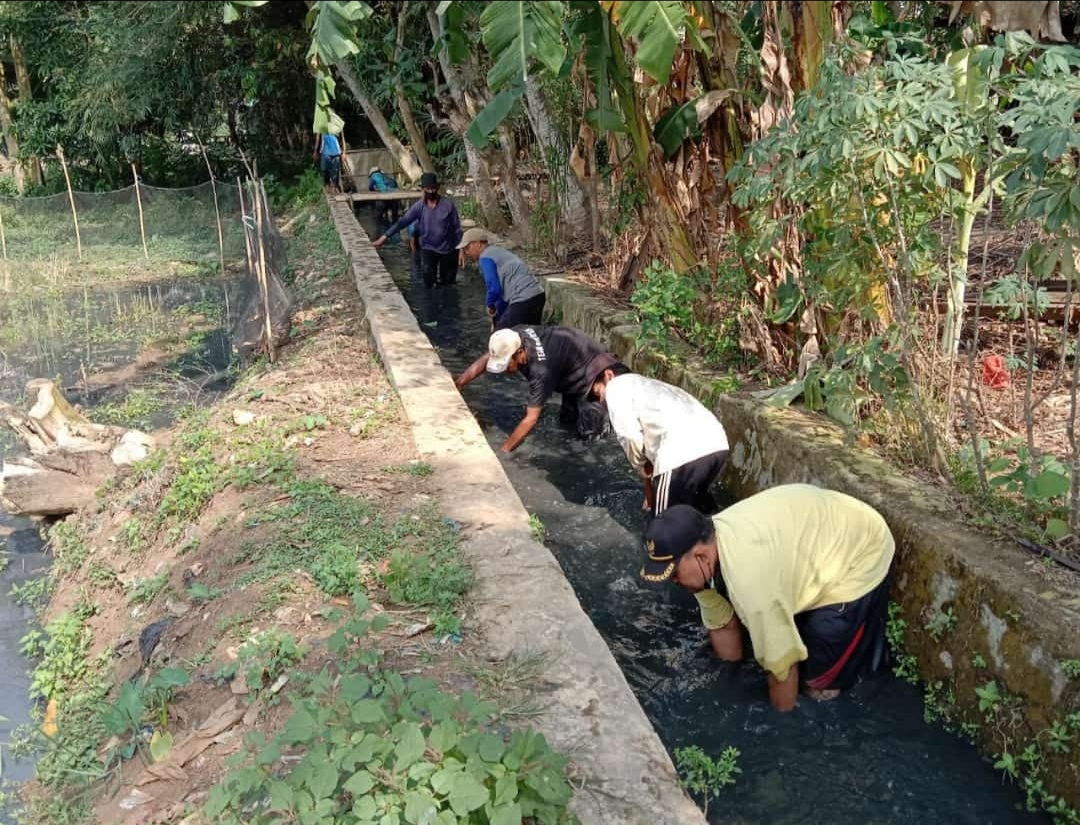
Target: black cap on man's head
[[429, 180], [671, 536]]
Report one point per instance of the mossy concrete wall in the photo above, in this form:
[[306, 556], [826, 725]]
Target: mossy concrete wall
[[1011, 625], [521, 602]]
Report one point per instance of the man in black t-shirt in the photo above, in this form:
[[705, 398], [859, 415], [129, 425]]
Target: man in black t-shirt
[[552, 359]]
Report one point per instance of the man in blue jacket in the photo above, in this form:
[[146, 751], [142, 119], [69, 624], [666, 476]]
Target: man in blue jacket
[[514, 296], [440, 232], [379, 181], [328, 151]]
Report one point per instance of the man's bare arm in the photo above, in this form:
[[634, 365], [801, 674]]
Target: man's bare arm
[[783, 694], [524, 427], [727, 641], [475, 370]]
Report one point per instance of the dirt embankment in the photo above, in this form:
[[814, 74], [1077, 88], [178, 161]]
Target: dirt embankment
[[280, 559]]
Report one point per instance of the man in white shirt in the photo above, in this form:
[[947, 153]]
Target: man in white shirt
[[675, 444]]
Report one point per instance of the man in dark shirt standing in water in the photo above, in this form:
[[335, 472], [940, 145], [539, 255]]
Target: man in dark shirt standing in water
[[552, 359], [440, 232]]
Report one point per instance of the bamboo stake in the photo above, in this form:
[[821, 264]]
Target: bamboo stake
[[260, 218], [220, 233], [71, 197], [3, 236], [138, 200], [217, 209], [244, 220]]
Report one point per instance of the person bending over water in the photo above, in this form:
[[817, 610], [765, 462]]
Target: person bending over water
[[806, 570], [552, 359], [513, 296], [674, 443]]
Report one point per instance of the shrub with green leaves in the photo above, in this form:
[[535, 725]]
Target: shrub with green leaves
[[134, 704], [699, 308], [64, 656], [433, 574], [380, 749], [266, 656], [68, 546], [705, 776], [336, 570]]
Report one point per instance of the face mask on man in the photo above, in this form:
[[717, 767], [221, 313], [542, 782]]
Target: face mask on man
[[431, 195]]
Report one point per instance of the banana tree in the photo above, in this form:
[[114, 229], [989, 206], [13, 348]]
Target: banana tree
[[333, 39], [524, 38]]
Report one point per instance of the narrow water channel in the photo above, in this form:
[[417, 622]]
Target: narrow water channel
[[23, 561], [869, 758]]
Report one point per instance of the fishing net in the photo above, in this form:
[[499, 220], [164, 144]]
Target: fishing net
[[266, 308], [146, 232]]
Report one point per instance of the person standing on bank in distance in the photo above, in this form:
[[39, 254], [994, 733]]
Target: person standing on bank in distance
[[514, 296], [552, 359], [440, 232], [675, 444], [805, 569], [328, 148]]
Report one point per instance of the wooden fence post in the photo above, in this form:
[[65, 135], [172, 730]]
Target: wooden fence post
[[248, 248], [71, 197], [217, 209], [138, 200], [264, 281], [3, 236]]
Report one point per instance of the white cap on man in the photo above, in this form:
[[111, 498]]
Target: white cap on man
[[472, 235], [501, 348], [373, 170]]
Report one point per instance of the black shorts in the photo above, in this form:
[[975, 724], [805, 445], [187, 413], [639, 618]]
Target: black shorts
[[529, 311], [845, 641], [690, 484]]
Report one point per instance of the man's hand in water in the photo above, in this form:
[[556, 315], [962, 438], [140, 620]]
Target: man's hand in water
[[379, 241]]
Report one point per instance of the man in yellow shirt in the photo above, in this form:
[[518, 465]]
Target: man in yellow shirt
[[806, 570]]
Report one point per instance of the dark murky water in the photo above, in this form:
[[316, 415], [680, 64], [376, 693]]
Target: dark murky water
[[25, 561], [71, 335], [868, 758]]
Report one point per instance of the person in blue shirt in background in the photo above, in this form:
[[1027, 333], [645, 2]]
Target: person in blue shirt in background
[[328, 149], [379, 181], [440, 232], [514, 296]]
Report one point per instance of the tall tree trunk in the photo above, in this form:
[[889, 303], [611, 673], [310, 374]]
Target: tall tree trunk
[[574, 207], [515, 198], [486, 196], [1041, 20], [18, 173], [461, 109], [419, 145], [22, 80], [416, 137], [812, 27], [405, 158]]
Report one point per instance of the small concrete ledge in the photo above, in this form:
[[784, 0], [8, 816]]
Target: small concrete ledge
[[521, 601]]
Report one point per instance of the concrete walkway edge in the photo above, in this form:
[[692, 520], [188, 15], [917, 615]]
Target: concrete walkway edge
[[522, 601]]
